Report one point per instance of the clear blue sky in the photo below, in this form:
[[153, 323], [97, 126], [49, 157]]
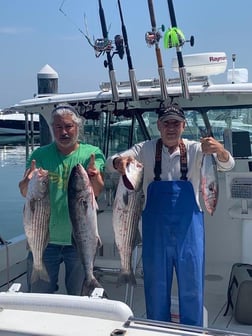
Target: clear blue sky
[[34, 33]]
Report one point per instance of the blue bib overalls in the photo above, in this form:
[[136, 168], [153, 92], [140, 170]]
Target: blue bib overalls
[[173, 237]]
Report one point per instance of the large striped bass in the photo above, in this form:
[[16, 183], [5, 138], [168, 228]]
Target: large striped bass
[[209, 182], [83, 214], [127, 209], [36, 221]]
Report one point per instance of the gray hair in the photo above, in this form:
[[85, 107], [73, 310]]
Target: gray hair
[[62, 109]]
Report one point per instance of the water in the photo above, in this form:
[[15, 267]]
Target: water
[[12, 167]]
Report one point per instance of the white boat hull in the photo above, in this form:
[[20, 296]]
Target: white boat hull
[[14, 124], [51, 314], [13, 131], [12, 260]]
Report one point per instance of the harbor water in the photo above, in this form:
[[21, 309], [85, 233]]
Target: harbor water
[[13, 152]]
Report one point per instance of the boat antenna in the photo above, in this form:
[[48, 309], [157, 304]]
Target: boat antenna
[[152, 38], [132, 77], [233, 68], [109, 62], [174, 37]]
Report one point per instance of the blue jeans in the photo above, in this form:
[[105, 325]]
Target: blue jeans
[[53, 256]]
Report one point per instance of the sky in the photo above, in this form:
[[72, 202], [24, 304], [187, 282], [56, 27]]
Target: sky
[[34, 33]]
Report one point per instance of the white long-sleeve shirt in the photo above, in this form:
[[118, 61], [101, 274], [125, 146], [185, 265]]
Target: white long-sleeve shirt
[[145, 152]]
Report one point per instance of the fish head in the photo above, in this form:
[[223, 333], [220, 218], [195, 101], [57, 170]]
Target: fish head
[[209, 182], [78, 179], [133, 177], [210, 192], [38, 186]]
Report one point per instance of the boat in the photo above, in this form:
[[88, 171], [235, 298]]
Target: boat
[[50, 314], [225, 109], [15, 123]]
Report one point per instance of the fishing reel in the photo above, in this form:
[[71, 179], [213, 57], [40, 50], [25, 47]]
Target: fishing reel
[[151, 38], [175, 38], [102, 45], [119, 43]]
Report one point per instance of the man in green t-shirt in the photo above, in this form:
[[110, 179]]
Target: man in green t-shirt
[[59, 158]]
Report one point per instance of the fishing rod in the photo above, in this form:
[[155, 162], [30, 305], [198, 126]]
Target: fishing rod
[[109, 62], [100, 45], [175, 38], [152, 38], [132, 77]]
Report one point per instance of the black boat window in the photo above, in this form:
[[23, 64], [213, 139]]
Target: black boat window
[[116, 133]]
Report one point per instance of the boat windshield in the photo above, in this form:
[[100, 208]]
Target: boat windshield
[[220, 120], [117, 133]]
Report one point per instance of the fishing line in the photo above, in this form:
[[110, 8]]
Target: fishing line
[[74, 24]]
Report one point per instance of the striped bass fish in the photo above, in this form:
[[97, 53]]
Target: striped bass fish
[[36, 217], [209, 182], [127, 210], [83, 214]]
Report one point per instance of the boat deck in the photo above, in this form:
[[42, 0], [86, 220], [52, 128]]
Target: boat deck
[[213, 315]]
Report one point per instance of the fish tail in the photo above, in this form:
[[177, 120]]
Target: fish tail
[[39, 274], [89, 286], [126, 278]]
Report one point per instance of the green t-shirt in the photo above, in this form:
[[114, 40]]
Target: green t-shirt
[[59, 167]]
